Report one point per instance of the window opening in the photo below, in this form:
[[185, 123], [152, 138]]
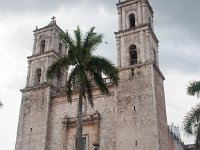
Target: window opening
[[132, 20], [60, 48], [38, 76], [42, 46], [133, 54], [134, 108], [84, 143]]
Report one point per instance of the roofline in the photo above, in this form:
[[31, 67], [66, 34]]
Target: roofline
[[128, 2], [48, 27]]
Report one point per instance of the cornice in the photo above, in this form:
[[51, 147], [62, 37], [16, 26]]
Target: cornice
[[47, 28], [42, 86], [43, 55], [137, 29]]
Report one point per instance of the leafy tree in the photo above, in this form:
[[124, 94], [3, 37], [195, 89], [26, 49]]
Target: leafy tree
[[191, 122], [86, 69]]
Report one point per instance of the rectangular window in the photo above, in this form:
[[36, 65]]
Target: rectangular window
[[84, 143], [84, 140]]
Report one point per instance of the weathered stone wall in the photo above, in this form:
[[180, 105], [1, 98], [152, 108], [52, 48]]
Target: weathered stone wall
[[59, 135], [160, 108], [32, 127], [136, 112], [132, 117], [174, 143]]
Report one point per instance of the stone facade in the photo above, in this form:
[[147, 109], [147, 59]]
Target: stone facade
[[132, 117], [175, 142]]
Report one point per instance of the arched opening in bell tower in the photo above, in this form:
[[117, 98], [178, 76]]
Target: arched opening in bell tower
[[132, 20], [133, 54], [42, 46], [38, 73]]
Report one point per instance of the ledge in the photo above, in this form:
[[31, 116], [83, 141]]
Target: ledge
[[138, 29], [42, 55], [86, 120], [44, 85]]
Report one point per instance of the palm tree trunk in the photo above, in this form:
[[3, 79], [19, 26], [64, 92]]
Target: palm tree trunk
[[198, 138], [79, 143]]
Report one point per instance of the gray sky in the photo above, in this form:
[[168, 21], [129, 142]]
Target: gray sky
[[176, 25]]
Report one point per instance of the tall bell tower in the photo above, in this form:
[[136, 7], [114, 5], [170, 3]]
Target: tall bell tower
[[140, 102], [136, 40], [34, 114]]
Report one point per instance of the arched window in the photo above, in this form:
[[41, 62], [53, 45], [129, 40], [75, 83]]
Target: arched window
[[42, 46], [133, 54], [38, 76], [132, 20], [60, 48]]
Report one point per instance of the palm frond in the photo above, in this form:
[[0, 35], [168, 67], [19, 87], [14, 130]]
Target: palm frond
[[56, 68], [191, 120], [78, 37], [193, 88], [92, 40], [71, 81], [103, 65], [97, 77], [67, 39]]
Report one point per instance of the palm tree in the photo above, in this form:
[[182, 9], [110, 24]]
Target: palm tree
[[191, 123], [86, 69], [193, 88]]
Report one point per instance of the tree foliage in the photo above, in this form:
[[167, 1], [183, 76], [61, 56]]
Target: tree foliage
[[193, 88], [191, 122]]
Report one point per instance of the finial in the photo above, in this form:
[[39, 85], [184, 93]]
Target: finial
[[53, 18], [36, 27]]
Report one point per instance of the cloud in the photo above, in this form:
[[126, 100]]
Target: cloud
[[44, 6], [176, 25], [180, 14]]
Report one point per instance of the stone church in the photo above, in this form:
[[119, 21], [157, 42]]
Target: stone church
[[132, 117]]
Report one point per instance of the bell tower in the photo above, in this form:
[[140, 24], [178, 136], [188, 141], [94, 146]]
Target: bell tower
[[47, 48], [140, 102], [35, 109], [136, 41]]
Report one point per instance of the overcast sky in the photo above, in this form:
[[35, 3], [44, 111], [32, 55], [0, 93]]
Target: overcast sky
[[177, 25]]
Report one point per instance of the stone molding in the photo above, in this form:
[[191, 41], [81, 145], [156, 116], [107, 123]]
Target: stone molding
[[129, 2], [43, 55], [137, 29], [93, 119], [87, 120]]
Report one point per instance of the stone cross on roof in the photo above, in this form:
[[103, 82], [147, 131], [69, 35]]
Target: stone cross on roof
[[53, 18]]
